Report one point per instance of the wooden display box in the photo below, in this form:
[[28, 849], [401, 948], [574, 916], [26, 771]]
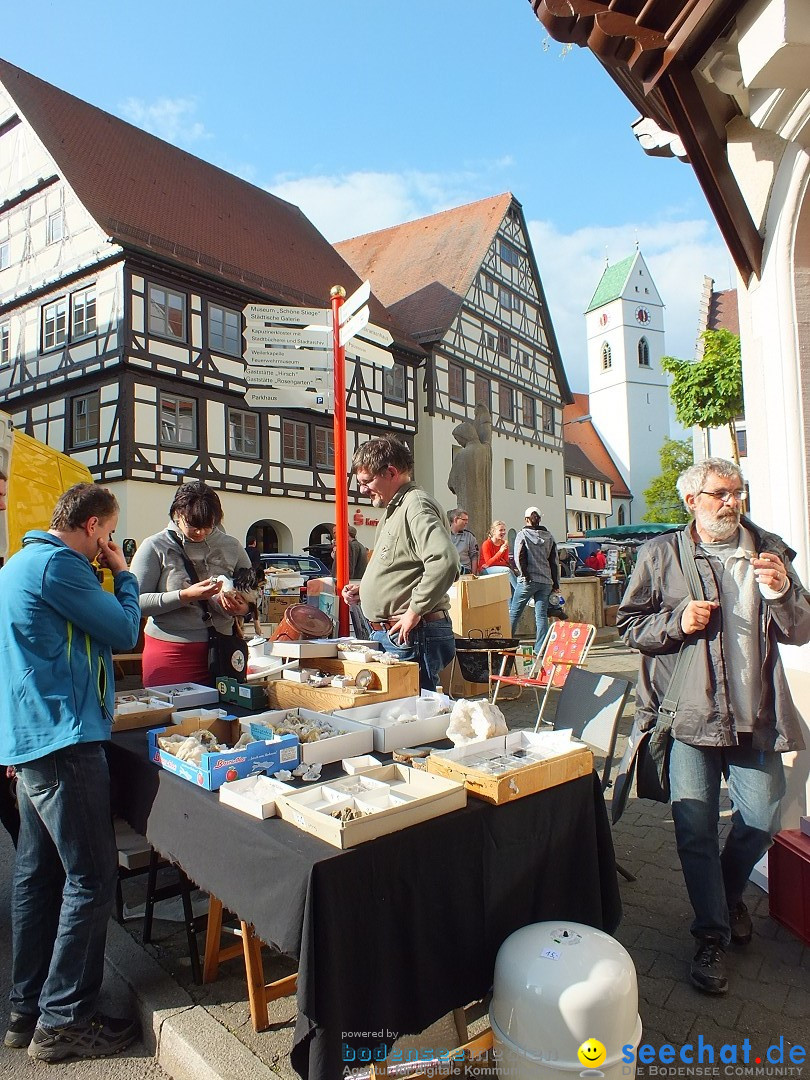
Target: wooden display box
[[388, 681], [789, 882], [155, 710], [562, 760], [398, 797]]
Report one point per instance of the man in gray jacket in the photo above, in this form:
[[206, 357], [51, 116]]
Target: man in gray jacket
[[403, 593], [735, 716]]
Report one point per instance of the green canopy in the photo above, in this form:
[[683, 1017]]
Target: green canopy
[[640, 531]]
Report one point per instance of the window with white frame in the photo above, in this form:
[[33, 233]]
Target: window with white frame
[[167, 313], [178, 421], [224, 330], [548, 418], [531, 480], [5, 345], [643, 353], [488, 284], [568, 490], [5, 259], [325, 448], [294, 442], [584, 487], [243, 433], [85, 416], [580, 523], [607, 357], [394, 383], [55, 227], [83, 313], [593, 489], [603, 491], [54, 324], [509, 473]]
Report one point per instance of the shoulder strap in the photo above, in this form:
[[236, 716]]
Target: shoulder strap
[[192, 573], [669, 706]]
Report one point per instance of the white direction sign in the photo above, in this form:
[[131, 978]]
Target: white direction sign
[[289, 399], [285, 358], [355, 301], [294, 316], [377, 334], [354, 325], [364, 350], [262, 376], [294, 336]]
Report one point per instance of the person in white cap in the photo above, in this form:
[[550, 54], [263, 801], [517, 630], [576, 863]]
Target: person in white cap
[[538, 570]]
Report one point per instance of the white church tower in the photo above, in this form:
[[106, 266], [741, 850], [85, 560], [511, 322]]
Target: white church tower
[[628, 393]]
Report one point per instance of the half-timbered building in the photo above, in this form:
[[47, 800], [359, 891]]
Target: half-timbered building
[[465, 284], [125, 265]]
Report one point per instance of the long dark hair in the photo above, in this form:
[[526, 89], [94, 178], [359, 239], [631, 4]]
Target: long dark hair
[[197, 504]]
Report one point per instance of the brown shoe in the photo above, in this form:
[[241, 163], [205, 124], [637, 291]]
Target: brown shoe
[[742, 929]]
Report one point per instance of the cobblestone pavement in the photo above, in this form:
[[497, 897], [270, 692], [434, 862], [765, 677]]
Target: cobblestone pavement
[[769, 995]]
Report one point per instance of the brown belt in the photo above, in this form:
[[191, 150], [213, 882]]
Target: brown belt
[[430, 616]]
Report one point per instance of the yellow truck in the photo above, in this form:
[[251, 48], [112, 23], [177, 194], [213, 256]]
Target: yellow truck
[[37, 476]]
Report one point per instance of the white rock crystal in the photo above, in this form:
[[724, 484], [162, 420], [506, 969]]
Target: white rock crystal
[[474, 721]]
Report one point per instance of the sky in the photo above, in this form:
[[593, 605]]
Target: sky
[[374, 112]]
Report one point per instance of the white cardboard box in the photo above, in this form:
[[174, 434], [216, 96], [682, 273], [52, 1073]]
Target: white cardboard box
[[359, 764], [392, 734], [355, 739], [186, 695], [235, 794], [292, 650], [400, 797]]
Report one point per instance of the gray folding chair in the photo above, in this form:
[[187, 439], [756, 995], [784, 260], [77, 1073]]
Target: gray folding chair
[[592, 705]]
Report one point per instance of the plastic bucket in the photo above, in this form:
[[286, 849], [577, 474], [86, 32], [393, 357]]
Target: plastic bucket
[[302, 621]]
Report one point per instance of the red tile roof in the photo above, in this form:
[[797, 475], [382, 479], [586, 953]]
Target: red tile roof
[[423, 270], [587, 438], [723, 312], [151, 196]]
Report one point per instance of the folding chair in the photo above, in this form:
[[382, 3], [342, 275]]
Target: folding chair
[[565, 646], [591, 706]]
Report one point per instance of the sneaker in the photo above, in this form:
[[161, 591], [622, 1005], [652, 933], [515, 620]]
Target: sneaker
[[99, 1036], [742, 929], [708, 971], [20, 1029]]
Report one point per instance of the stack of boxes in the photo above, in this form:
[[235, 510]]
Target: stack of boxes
[[479, 607], [281, 590]]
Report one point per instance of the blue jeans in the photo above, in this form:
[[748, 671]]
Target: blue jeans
[[756, 784], [524, 591], [432, 646], [64, 884]]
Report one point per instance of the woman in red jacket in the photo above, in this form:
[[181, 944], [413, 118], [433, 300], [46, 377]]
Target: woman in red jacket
[[494, 557]]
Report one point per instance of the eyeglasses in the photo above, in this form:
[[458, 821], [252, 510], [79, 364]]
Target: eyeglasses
[[727, 496]]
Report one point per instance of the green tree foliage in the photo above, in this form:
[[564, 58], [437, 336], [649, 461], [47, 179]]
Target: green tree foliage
[[662, 498], [709, 393]]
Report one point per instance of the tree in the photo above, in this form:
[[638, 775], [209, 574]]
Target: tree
[[708, 392], [662, 496]]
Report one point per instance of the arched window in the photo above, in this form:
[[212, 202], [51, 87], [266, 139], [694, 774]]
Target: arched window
[[607, 359], [621, 515], [643, 353]]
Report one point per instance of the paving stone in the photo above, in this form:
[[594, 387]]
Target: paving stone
[[722, 1009]]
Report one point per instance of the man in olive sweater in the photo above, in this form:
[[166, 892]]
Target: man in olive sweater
[[403, 593]]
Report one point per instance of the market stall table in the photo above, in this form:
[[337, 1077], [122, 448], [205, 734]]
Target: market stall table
[[395, 933]]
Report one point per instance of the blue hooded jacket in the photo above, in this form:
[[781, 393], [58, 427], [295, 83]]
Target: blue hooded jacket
[[58, 628]]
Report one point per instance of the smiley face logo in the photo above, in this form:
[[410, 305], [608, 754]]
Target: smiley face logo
[[592, 1054]]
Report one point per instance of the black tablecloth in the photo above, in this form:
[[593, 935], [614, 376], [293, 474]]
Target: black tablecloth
[[393, 934]]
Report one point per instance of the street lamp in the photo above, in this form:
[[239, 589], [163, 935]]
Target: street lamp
[[578, 420]]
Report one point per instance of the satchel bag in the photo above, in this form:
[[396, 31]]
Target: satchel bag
[[227, 653], [647, 754]]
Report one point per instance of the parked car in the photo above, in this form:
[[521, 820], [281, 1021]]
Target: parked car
[[307, 565]]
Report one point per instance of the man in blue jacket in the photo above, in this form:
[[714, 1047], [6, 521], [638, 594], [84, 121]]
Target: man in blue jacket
[[58, 628]]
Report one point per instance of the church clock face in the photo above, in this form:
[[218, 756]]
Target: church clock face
[[642, 315]]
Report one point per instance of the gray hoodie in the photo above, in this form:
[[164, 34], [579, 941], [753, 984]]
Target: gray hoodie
[[158, 566], [536, 556]]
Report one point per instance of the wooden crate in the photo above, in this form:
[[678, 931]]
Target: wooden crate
[[395, 680]]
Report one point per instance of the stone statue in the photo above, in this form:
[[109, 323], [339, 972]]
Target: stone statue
[[470, 477]]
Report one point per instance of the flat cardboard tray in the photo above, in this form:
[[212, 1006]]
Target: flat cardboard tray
[[187, 695], [235, 793], [399, 796], [392, 734], [221, 765], [355, 738], [561, 759], [153, 710], [292, 650]]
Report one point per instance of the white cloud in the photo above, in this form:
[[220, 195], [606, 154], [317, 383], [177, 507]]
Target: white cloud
[[171, 119], [679, 254], [360, 202]]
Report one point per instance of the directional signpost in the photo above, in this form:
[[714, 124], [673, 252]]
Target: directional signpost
[[287, 366]]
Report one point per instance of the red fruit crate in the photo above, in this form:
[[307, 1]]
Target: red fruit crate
[[789, 882]]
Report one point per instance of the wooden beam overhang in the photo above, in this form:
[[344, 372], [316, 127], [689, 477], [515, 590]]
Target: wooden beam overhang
[[649, 48]]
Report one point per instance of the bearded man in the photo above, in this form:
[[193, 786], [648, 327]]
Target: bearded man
[[735, 716]]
